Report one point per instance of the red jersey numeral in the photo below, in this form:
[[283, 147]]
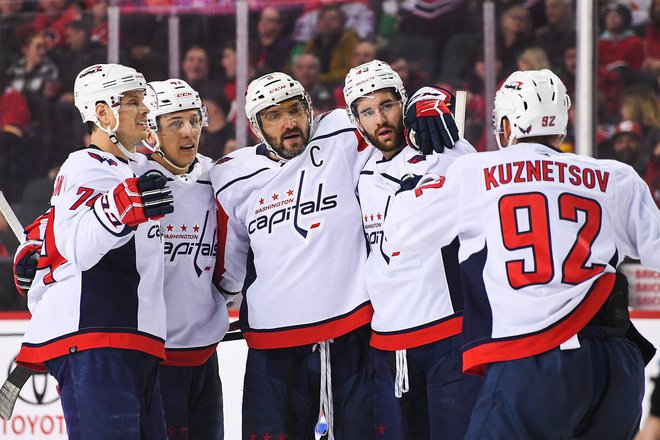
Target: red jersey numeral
[[437, 183], [85, 197], [50, 255], [535, 235]]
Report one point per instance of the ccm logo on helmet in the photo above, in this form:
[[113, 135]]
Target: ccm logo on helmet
[[277, 88]]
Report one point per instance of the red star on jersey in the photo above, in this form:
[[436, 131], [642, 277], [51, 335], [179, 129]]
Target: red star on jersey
[[266, 436], [366, 218], [184, 431], [282, 436], [171, 431], [372, 217], [379, 216], [275, 196], [380, 429], [261, 201], [169, 228], [196, 228], [252, 436], [184, 228], [289, 192]]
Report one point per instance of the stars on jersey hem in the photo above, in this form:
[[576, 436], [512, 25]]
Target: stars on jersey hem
[[380, 429]]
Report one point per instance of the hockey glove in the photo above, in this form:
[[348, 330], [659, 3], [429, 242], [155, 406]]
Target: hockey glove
[[139, 199], [430, 126], [25, 265]]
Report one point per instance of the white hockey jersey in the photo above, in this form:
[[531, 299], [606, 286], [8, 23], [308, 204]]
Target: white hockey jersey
[[417, 298], [291, 238], [197, 316], [98, 283], [541, 234]]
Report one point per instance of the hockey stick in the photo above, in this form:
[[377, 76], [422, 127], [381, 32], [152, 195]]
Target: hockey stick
[[459, 113], [19, 375]]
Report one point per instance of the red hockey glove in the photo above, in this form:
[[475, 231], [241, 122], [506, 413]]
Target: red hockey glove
[[428, 121], [430, 126], [139, 199], [25, 265]]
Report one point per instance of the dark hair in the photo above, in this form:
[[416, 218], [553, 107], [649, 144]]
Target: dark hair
[[78, 25], [624, 12]]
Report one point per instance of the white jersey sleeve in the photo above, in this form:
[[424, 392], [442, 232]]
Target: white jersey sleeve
[[84, 235], [541, 235]]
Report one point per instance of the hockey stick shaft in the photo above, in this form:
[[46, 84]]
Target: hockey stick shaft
[[11, 218], [459, 115], [19, 375]]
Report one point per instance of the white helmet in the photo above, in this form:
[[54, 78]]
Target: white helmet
[[105, 83], [269, 90], [535, 103], [170, 96], [370, 77]]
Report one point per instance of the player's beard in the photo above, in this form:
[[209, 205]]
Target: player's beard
[[394, 144], [289, 149]]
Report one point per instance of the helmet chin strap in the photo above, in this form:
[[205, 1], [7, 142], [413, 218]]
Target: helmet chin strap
[[159, 152], [112, 134]]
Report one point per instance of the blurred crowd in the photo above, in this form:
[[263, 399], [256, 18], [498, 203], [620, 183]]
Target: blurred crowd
[[45, 43]]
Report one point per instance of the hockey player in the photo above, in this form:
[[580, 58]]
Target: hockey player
[[541, 234], [291, 240], [98, 311], [196, 312], [418, 302]]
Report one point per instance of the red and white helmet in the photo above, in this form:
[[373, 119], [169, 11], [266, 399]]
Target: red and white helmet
[[368, 78], [270, 90], [535, 103]]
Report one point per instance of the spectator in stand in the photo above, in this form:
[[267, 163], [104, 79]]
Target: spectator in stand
[[610, 85], [54, 17], [533, 58], [651, 62], [618, 47], [195, 69], [333, 45], [363, 52], [34, 73], [307, 71], [11, 19], [99, 21], [14, 121], [627, 146], [273, 47], [144, 40], [640, 105], [515, 35], [218, 131], [77, 53], [359, 18], [558, 33]]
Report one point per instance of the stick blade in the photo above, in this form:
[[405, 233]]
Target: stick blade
[[11, 389]]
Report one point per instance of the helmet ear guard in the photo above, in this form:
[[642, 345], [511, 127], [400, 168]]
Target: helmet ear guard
[[535, 103]]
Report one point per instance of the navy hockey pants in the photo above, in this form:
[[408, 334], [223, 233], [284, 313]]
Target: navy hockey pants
[[281, 391], [593, 392], [110, 393], [192, 399], [440, 398]]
